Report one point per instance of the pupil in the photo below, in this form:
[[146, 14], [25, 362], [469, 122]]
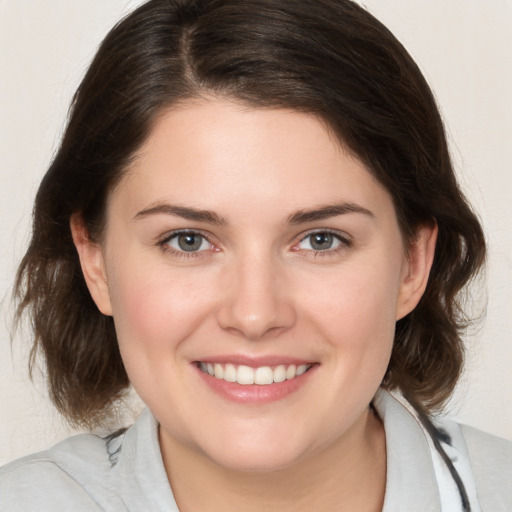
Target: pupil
[[189, 242], [321, 241]]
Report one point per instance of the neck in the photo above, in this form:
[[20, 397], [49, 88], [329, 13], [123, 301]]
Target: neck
[[348, 475]]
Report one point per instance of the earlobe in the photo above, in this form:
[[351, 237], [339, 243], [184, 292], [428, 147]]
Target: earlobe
[[92, 263], [417, 269]]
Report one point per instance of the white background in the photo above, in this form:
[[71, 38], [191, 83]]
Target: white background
[[463, 47]]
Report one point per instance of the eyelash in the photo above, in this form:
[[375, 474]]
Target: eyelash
[[344, 243], [164, 244]]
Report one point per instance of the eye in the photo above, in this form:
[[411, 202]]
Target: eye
[[322, 241], [187, 242]]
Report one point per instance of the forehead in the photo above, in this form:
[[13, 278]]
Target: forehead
[[218, 154]]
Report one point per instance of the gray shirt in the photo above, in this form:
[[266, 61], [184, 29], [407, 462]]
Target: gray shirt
[[126, 473]]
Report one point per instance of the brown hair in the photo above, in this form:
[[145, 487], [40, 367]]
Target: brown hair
[[330, 58]]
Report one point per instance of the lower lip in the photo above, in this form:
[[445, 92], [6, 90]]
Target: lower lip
[[254, 393]]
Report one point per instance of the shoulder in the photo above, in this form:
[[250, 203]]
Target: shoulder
[[89, 473], [483, 462], [57, 479], [490, 458], [486, 461]]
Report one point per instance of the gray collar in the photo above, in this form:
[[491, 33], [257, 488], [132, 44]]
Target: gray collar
[[411, 483], [140, 469]]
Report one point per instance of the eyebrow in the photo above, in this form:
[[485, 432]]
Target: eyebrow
[[325, 212], [184, 212], [210, 217]]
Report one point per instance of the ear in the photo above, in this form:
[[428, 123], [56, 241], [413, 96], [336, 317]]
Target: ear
[[416, 269], [93, 264]]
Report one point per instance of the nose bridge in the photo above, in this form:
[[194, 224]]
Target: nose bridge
[[255, 303]]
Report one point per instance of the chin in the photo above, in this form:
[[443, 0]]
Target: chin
[[258, 454], [252, 462]]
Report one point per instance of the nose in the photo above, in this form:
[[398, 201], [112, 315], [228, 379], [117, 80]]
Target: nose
[[256, 303]]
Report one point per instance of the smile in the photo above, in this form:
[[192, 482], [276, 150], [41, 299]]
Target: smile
[[245, 375]]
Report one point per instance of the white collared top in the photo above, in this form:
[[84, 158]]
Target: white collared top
[[86, 473]]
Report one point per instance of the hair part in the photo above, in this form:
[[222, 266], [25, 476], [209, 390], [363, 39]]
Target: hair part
[[328, 58]]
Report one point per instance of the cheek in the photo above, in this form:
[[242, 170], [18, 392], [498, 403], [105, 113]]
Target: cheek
[[154, 318], [355, 314], [155, 310], [360, 298]]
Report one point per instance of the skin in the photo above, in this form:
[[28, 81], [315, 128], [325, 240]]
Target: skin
[[255, 288]]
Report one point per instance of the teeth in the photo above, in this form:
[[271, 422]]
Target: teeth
[[301, 369], [218, 371], [280, 373], [263, 376], [230, 373], [245, 375], [290, 372]]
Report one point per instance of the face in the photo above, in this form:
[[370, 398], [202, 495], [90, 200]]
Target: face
[[255, 271]]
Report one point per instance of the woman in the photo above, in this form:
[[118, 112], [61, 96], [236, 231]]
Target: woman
[[253, 219]]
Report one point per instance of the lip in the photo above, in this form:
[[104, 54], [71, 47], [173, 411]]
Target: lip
[[255, 394]]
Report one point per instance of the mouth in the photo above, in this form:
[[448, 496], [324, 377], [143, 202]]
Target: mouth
[[247, 376]]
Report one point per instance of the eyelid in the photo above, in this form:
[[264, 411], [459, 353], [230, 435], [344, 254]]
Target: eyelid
[[164, 240], [342, 237], [183, 231]]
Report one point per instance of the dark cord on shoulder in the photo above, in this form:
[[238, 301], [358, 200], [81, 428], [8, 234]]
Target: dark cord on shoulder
[[438, 436]]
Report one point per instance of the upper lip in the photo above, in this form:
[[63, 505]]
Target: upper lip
[[254, 361]]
